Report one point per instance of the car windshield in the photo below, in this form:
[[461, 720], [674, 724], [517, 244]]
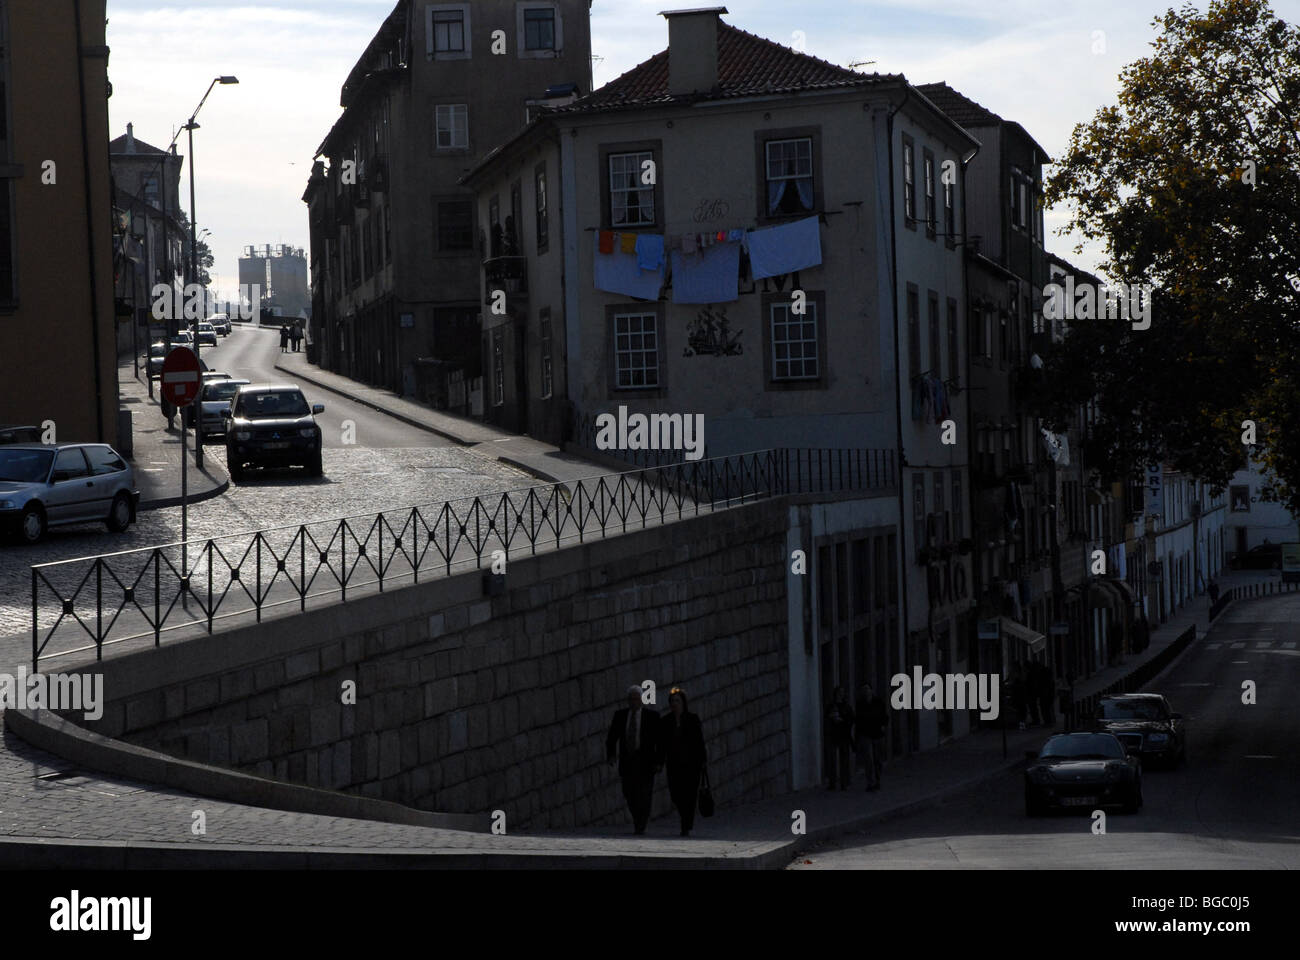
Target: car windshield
[[265, 406], [158, 350], [220, 391], [1078, 748], [25, 466], [1132, 710]]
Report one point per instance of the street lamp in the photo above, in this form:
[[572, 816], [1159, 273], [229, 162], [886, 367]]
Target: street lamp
[[191, 125]]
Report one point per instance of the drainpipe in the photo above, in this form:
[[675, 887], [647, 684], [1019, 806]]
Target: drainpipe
[[898, 419], [90, 231]]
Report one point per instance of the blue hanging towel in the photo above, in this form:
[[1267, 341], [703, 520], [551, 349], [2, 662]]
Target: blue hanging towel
[[650, 251], [785, 249], [620, 273], [711, 277]]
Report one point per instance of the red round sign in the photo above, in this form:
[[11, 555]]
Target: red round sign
[[180, 377]]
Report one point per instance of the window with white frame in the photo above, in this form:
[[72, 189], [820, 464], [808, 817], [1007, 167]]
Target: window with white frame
[[794, 342], [909, 183], [452, 126], [448, 28], [790, 177], [930, 220], [498, 368], [631, 202], [548, 367], [950, 214], [636, 351]]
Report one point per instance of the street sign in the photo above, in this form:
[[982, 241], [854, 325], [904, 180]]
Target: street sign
[[1155, 484], [180, 377]]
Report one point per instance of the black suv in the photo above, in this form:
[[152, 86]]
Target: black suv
[[271, 425]]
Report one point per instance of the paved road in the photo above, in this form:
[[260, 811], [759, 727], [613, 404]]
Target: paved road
[[1232, 806], [392, 465]]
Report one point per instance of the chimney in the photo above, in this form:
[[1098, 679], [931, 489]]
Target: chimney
[[693, 49], [130, 138]]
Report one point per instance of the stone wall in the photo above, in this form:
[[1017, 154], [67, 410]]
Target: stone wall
[[466, 704]]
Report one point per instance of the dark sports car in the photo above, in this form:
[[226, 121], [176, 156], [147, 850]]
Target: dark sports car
[[1087, 770], [1145, 725]]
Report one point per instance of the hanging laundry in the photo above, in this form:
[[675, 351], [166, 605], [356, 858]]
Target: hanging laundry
[[627, 242], [785, 249], [620, 273], [650, 251], [918, 400], [706, 241], [735, 236], [607, 241], [713, 277], [689, 243]]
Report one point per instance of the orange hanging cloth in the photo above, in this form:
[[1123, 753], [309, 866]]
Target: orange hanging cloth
[[606, 241]]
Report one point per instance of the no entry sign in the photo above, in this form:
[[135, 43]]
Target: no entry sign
[[180, 377]]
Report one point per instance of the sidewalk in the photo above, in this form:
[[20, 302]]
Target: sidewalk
[[157, 450], [542, 460]]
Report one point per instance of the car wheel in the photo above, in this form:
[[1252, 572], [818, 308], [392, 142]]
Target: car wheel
[[314, 467], [234, 469], [1135, 801], [119, 515], [32, 526]]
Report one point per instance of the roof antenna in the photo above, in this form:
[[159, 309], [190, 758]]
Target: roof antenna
[[860, 63]]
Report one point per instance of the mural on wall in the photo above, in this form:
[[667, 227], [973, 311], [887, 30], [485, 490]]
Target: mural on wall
[[709, 334]]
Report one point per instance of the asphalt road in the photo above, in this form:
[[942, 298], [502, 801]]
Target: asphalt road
[[1234, 805], [251, 353]]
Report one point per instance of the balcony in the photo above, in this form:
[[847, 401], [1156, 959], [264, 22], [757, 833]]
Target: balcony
[[507, 273]]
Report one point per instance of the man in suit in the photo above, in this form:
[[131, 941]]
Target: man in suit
[[633, 742]]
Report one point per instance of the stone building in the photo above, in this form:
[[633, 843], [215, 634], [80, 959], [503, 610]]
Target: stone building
[[56, 234], [395, 243]]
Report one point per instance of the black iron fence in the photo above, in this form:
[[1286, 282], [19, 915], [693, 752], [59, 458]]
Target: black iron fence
[[1250, 591], [145, 593]]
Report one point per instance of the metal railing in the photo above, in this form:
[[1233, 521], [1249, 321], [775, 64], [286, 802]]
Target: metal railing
[[1251, 591], [147, 592]]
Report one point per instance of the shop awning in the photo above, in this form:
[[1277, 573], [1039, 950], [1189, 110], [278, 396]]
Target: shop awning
[[1034, 640]]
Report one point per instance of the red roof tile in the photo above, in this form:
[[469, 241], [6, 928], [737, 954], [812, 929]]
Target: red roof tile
[[748, 65]]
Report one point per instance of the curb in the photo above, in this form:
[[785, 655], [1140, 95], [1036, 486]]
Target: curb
[[410, 421], [192, 499], [49, 732]]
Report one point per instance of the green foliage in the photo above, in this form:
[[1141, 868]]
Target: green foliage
[[1160, 179]]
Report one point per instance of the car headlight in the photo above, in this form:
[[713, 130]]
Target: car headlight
[[1114, 772], [1040, 775], [307, 432], [243, 435], [7, 505]]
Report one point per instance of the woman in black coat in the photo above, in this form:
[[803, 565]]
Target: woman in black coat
[[684, 756]]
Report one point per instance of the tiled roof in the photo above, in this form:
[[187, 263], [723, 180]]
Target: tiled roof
[[118, 145], [748, 65], [962, 109]]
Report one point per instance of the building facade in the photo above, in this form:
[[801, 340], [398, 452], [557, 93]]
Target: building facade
[[395, 239], [56, 233]]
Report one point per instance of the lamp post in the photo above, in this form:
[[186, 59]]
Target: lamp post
[[191, 125]]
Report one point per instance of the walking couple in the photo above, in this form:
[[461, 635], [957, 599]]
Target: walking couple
[[642, 743], [861, 728]]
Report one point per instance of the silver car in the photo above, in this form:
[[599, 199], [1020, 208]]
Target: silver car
[[215, 399], [44, 486]]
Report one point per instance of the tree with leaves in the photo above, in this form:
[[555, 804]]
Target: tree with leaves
[[206, 260], [1192, 184]]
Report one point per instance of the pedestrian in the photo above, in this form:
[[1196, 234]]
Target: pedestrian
[[284, 338], [1045, 693], [1031, 693], [1214, 591], [297, 337], [1016, 693], [684, 756], [839, 738], [633, 744], [871, 723]]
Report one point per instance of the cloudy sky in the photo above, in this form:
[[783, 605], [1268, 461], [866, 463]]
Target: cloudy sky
[[1047, 64]]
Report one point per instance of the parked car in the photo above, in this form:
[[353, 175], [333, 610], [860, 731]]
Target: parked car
[[206, 334], [15, 434], [1266, 556], [157, 354], [206, 376], [1087, 770], [220, 323], [43, 486], [215, 399], [169, 411], [272, 425], [1145, 725]]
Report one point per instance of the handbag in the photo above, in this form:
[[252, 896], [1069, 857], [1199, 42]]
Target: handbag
[[706, 794]]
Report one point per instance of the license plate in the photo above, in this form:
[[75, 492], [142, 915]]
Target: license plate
[[276, 446], [1078, 801]]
